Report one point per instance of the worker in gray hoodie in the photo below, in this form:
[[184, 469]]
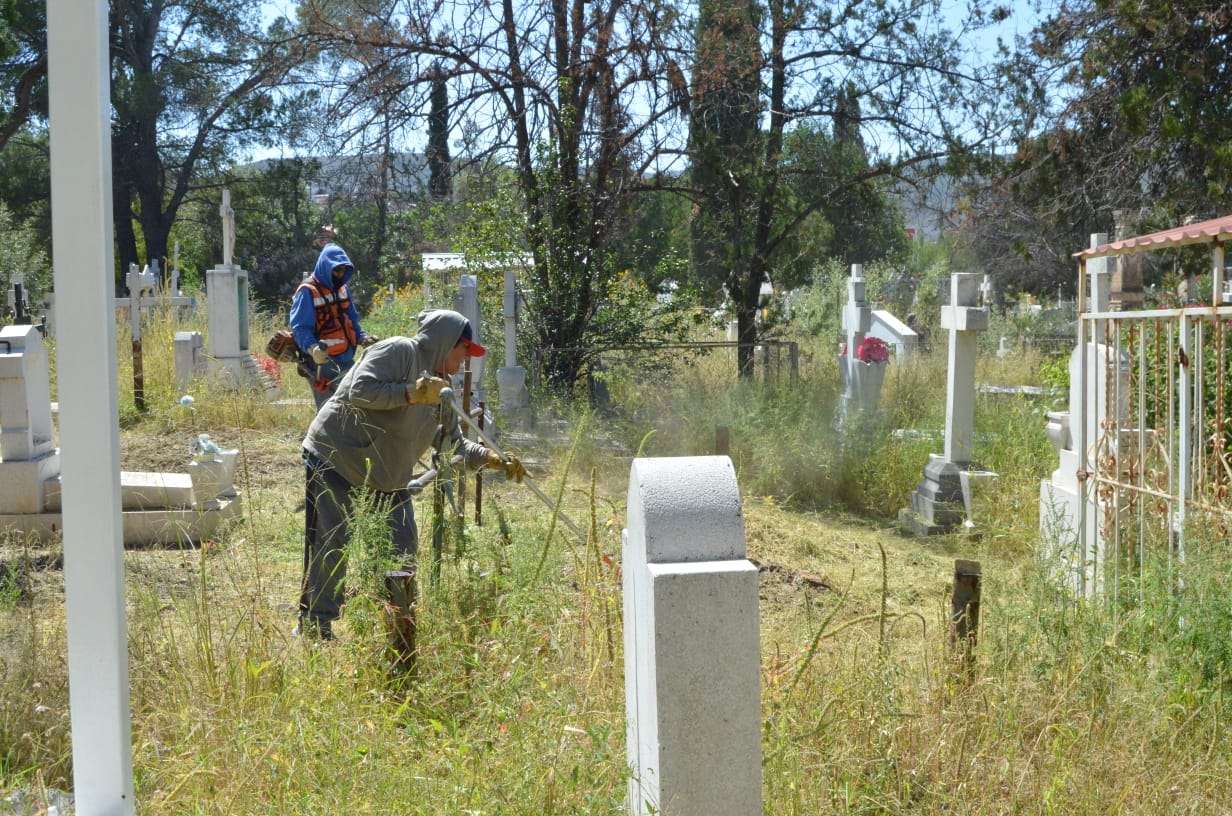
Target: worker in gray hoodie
[[368, 436]]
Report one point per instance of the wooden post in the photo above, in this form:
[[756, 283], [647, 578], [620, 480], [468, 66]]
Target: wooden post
[[438, 505], [483, 409], [794, 361], [765, 362], [466, 432], [138, 375], [722, 441], [400, 618], [965, 607]]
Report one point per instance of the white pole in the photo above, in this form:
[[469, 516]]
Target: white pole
[[80, 125]]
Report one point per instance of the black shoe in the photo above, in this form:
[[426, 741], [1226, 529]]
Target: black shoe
[[314, 629]]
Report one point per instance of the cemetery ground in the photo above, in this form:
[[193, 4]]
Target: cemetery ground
[[518, 705]]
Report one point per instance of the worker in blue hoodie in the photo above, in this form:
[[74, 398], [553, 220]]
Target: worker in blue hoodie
[[325, 323]]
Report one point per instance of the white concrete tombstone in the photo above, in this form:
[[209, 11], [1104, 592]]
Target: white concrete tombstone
[[227, 302], [885, 326], [692, 655], [79, 96], [509, 304], [189, 357], [962, 317], [466, 303], [25, 395]]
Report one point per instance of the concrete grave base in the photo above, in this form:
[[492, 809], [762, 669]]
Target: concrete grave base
[[937, 501], [23, 483], [142, 528], [240, 373], [140, 491]]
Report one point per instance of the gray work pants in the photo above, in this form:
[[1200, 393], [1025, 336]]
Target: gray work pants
[[327, 512]]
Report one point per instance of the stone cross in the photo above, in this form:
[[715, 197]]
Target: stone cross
[[228, 228], [692, 655], [962, 317]]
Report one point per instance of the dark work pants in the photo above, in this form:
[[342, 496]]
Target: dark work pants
[[327, 512], [332, 370]]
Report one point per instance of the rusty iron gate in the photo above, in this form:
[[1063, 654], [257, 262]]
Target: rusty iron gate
[[1157, 473]]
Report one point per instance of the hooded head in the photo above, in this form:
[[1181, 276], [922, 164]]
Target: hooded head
[[332, 256], [439, 331]]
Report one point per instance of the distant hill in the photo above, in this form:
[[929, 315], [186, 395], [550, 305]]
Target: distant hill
[[358, 177]]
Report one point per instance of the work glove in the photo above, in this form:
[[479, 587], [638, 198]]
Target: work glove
[[319, 355], [368, 339], [426, 391], [514, 470]]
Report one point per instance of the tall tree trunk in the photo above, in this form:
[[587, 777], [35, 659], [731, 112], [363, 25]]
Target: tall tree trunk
[[440, 177], [122, 216]]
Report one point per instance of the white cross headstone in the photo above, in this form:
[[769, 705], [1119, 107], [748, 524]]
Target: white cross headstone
[[692, 656], [938, 501], [963, 317]]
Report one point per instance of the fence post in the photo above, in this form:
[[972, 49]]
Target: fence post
[[765, 362], [722, 441], [438, 503], [483, 410], [794, 361], [400, 618], [466, 432], [965, 608]]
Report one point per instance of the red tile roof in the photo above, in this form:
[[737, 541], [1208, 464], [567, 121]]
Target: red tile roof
[[1217, 229]]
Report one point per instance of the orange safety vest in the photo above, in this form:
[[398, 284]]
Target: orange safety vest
[[333, 320]]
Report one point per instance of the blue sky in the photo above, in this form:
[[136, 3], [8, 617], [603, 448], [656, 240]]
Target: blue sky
[[981, 45]]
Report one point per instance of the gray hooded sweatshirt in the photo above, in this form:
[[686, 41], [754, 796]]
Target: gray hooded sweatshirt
[[367, 432]]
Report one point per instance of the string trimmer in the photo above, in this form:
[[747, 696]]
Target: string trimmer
[[448, 397]]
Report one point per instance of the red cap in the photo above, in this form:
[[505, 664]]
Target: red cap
[[473, 349]]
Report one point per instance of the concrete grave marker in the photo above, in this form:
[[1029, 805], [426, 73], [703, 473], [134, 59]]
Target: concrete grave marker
[[861, 381], [226, 288], [939, 501], [692, 655], [511, 379], [189, 357], [27, 456], [1062, 515], [466, 303]]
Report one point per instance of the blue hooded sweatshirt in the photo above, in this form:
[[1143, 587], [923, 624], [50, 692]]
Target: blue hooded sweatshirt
[[303, 313]]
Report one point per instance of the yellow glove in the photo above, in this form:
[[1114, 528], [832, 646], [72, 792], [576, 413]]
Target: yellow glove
[[511, 465], [426, 391], [319, 355]]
